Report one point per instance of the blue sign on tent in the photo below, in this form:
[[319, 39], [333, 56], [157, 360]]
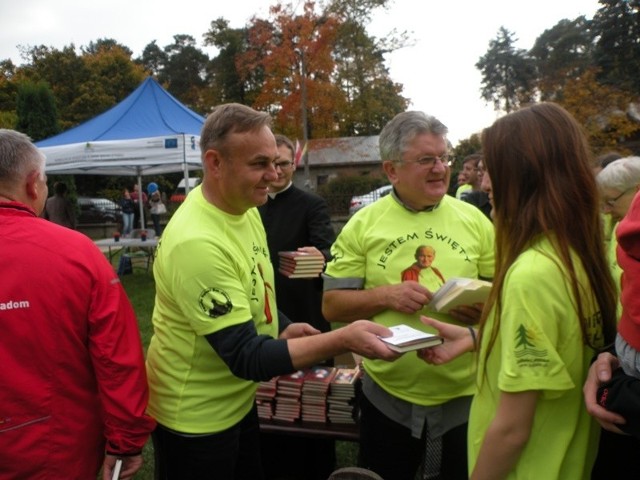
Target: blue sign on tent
[[170, 143]]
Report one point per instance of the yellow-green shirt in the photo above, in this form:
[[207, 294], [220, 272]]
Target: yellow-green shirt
[[540, 347], [212, 271], [374, 248]]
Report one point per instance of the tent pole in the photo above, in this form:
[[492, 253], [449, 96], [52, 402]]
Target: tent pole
[[140, 198], [185, 167]]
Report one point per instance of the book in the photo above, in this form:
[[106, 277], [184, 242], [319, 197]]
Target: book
[[405, 339], [115, 473], [457, 292], [298, 256], [310, 274]]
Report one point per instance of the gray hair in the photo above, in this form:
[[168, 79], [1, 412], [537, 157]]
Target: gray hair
[[227, 119], [18, 157], [403, 128], [621, 174]]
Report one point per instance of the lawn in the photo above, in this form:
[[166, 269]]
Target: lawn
[[140, 288]]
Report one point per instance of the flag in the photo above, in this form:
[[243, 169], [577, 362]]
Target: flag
[[299, 153]]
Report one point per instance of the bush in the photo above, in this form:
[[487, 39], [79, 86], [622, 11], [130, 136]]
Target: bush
[[338, 192]]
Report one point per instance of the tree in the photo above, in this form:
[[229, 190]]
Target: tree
[[185, 70], [36, 111], [616, 26], [295, 53], [226, 81], [372, 97], [561, 52], [507, 73], [153, 59], [601, 109]]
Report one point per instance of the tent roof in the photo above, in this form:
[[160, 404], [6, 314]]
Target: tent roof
[[149, 111], [149, 132]]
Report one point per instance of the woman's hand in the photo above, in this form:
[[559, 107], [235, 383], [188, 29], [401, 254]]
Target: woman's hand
[[457, 340]]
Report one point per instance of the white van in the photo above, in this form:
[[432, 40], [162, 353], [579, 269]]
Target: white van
[[179, 195]]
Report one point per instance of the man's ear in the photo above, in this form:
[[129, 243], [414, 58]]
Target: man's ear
[[389, 169], [212, 161], [32, 189]]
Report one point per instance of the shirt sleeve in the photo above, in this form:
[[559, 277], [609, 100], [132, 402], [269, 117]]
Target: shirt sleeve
[[116, 352]]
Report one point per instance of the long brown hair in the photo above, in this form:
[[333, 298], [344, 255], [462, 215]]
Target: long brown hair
[[539, 164]]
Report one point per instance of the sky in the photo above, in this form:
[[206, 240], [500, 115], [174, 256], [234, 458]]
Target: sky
[[437, 70]]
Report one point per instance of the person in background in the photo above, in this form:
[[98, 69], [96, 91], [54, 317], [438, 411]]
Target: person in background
[[551, 307], [478, 197], [59, 209], [156, 207], [217, 328], [137, 196], [73, 384], [470, 174], [295, 219], [128, 212], [407, 409], [619, 183]]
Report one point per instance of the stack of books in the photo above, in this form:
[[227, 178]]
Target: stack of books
[[295, 264], [314, 393], [288, 393], [265, 398], [342, 395]]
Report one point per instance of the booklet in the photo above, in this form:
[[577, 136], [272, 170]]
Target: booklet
[[406, 339], [459, 291]]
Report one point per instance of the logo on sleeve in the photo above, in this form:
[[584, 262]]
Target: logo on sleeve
[[525, 349], [215, 302]]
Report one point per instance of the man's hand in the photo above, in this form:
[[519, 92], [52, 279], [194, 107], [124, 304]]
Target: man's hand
[[468, 314], [130, 465], [600, 373], [297, 330], [362, 337], [405, 297]]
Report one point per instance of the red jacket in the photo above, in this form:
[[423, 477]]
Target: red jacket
[[71, 364], [628, 253]]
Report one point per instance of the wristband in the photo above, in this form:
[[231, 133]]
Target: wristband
[[472, 332]]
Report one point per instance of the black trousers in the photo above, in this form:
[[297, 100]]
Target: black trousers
[[233, 454], [388, 448]]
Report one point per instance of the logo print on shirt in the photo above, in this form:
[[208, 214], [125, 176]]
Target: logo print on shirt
[[215, 302], [267, 287], [525, 349]]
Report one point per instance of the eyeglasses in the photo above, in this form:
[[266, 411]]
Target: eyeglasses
[[428, 161], [283, 165], [612, 202]]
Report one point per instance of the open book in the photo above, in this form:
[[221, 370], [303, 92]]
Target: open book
[[459, 291], [406, 338]]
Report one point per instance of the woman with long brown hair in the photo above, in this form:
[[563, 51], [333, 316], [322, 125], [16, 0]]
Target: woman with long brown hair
[[552, 305]]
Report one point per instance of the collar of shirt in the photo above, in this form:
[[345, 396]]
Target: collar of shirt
[[430, 208], [273, 195]]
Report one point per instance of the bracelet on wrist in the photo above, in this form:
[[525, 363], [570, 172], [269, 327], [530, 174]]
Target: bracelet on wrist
[[472, 332]]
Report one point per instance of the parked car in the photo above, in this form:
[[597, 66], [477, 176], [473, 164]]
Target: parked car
[[180, 194], [98, 210], [360, 201]]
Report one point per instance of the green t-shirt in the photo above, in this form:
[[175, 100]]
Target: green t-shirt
[[212, 271], [462, 189], [377, 245], [616, 271], [540, 347]]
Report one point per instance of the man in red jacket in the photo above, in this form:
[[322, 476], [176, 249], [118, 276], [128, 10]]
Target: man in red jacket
[[73, 388]]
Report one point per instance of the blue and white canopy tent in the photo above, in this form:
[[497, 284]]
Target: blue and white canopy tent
[[150, 132]]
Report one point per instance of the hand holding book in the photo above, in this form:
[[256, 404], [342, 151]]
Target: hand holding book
[[407, 339]]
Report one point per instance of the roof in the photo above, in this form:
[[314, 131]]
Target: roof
[[344, 151]]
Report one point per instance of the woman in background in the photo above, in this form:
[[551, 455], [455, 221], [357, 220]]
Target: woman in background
[[128, 212]]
